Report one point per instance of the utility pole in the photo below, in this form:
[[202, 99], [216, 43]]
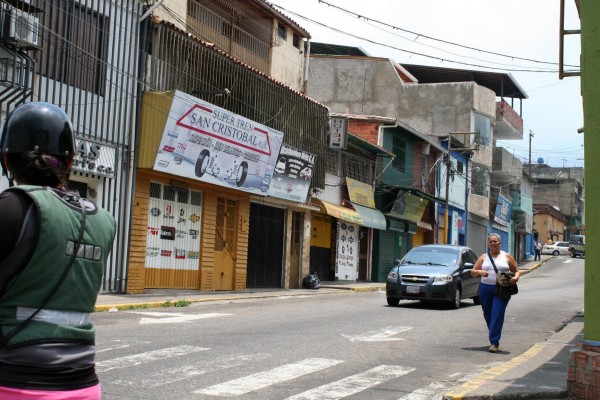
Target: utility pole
[[530, 136], [448, 164]]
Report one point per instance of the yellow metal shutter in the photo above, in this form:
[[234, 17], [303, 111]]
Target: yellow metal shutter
[[419, 237]]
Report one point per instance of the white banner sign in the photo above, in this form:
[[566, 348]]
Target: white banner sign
[[210, 144]]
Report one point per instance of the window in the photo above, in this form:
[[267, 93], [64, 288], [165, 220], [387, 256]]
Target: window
[[296, 41], [459, 167], [76, 45], [281, 31], [480, 182], [399, 149], [484, 127]]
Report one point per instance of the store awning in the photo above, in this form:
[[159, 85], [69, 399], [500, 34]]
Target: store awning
[[372, 217], [424, 225], [339, 212]]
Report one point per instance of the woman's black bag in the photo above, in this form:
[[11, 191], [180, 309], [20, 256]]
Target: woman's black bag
[[503, 288]]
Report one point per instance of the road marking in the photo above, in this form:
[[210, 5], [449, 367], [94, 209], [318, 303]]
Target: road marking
[[567, 261], [137, 359], [174, 318], [261, 380], [432, 391], [473, 384], [353, 384], [171, 375], [382, 335]]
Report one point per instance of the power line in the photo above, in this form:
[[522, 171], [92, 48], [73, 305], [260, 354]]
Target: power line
[[362, 17]]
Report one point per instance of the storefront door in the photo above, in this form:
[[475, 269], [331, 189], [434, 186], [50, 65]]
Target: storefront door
[[225, 244], [173, 242]]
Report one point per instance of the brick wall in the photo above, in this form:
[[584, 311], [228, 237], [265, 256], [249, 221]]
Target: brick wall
[[367, 130], [583, 376]]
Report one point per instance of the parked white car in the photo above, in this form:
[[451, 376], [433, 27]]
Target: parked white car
[[557, 248]]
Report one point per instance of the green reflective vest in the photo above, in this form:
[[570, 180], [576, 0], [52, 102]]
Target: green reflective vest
[[59, 224]]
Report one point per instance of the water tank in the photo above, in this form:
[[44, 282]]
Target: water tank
[[540, 160]]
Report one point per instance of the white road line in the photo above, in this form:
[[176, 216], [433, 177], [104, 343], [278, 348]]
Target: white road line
[[173, 318], [171, 375], [261, 380], [567, 261], [353, 384], [433, 391], [137, 359], [382, 335]]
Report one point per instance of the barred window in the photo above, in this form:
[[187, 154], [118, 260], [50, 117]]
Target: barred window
[[75, 45]]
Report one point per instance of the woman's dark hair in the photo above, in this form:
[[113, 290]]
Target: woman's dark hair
[[33, 168]]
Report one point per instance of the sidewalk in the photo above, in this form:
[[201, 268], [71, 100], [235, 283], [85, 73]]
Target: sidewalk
[[539, 373]]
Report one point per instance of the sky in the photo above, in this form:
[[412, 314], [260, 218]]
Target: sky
[[520, 37]]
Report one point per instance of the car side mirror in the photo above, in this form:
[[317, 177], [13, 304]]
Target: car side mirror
[[396, 262], [468, 265]]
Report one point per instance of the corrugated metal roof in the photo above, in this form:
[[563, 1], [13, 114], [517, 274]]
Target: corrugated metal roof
[[503, 84]]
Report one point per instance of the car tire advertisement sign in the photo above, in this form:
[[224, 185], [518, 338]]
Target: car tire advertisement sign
[[346, 258], [292, 174], [207, 143]]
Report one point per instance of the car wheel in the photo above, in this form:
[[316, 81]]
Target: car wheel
[[393, 301], [456, 299], [555, 253], [573, 253], [476, 300]]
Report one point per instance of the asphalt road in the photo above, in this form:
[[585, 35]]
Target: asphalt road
[[349, 345]]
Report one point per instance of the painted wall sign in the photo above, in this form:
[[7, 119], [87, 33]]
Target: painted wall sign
[[94, 158], [207, 143], [346, 259], [292, 174]]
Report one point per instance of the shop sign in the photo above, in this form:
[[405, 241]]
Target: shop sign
[[409, 207], [360, 193], [503, 210], [210, 144], [292, 174], [94, 158], [338, 133]]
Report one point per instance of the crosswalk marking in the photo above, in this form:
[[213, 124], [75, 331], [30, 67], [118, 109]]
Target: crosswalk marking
[[137, 359], [171, 375], [170, 318], [353, 384], [261, 380], [432, 391], [382, 335]]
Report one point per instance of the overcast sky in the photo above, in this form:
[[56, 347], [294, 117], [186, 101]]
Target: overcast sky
[[524, 32]]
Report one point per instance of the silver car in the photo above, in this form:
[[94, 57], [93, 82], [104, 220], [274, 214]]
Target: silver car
[[436, 273]]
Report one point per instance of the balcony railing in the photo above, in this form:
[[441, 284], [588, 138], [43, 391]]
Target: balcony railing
[[230, 38]]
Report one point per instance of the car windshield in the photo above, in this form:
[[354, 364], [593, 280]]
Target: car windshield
[[431, 256]]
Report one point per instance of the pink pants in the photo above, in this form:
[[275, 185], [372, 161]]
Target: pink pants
[[91, 393]]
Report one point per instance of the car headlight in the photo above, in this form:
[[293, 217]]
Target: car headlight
[[393, 275], [442, 279]]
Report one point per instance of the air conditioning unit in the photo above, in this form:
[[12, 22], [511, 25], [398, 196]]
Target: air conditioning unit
[[19, 27]]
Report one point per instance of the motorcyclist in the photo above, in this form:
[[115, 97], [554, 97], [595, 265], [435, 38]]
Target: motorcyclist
[[53, 248]]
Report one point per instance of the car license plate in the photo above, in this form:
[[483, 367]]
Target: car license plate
[[412, 289]]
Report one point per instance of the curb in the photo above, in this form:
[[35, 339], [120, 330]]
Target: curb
[[161, 304]]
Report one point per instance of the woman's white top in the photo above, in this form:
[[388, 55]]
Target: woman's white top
[[501, 263]]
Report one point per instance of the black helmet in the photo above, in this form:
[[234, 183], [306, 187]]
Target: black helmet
[[41, 127]]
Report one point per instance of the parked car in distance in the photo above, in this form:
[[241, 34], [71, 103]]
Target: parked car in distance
[[577, 246], [558, 248], [437, 273]]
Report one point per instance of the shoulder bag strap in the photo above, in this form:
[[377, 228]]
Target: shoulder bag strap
[[492, 261]]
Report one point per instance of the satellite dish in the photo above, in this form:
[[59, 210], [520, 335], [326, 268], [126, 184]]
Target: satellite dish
[[540, 160]]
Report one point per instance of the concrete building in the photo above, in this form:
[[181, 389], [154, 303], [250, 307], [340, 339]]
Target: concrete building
[[83, 57]]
